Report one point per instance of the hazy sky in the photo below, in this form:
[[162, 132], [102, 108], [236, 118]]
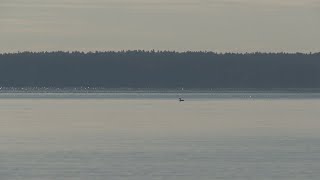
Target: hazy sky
[[217, 25]]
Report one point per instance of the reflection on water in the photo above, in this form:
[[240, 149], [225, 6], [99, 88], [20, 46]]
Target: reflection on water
[[159, 138]]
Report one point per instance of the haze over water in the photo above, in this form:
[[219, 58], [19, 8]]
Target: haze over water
[[149, 137]]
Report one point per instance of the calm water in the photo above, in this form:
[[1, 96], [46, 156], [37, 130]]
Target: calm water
[[153, 136]]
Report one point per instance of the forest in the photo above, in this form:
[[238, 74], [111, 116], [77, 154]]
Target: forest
[[160, 69]]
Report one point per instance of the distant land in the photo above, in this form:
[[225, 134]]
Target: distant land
[[160, 70]]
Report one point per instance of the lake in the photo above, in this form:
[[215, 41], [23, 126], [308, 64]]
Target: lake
[[152, 136]]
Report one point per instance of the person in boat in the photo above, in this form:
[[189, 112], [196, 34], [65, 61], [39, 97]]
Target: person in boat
[[180, 99]]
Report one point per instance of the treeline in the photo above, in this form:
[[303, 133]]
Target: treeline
[[160, 69]]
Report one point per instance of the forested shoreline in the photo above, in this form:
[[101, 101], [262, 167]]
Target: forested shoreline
[[160, 69]]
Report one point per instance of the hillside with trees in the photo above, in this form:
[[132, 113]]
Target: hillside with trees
[[160, 69]]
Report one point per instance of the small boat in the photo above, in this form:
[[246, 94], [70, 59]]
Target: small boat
[[180, 99]]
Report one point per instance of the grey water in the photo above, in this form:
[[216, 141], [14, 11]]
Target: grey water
[[151, 136]]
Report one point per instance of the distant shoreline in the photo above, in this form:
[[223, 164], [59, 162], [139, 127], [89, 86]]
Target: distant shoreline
[[154, 70]]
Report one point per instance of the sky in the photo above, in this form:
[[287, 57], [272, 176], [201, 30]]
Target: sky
[[181, 25]]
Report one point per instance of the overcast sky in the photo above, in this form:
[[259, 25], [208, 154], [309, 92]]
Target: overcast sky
[[216, 25]]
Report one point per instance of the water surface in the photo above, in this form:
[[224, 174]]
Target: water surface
[[143, 137]]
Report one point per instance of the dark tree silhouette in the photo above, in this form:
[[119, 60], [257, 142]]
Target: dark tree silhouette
[[159, 69]]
